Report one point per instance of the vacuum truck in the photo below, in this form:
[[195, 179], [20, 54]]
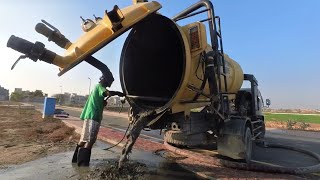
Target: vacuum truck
[[179, 71]]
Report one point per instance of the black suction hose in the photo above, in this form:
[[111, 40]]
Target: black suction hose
[[101, 66], [125, 134], [253, 166]]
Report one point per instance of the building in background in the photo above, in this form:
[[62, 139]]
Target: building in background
[[70, 98], [78, 99], [114, 101], [18, 90], [4, 94], [27, 96]]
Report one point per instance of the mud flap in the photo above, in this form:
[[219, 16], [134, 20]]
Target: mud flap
[[231, 142]]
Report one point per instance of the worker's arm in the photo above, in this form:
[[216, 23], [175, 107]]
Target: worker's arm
[[116, 93], [113, 93], [108, 94]]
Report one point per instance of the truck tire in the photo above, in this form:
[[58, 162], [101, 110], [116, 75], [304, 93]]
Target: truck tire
[[182, 139], [248, 145]]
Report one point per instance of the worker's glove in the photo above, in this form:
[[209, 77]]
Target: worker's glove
[[116, 93]]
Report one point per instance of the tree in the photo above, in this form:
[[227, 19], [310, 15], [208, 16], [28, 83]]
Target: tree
[[37, 93], [60, 98], [16, 96]]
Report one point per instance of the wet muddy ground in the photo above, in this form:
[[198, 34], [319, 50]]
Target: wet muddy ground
[[103, 165]]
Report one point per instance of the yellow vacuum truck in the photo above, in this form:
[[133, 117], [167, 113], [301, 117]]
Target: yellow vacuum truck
[[177, 70]]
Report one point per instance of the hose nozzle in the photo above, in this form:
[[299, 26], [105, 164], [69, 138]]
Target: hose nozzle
[[34, 51], [53, 34]]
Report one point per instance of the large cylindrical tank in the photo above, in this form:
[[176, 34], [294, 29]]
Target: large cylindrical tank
[[159, 62]]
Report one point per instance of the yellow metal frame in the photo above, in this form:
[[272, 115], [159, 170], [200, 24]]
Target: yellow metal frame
[[102, 34]]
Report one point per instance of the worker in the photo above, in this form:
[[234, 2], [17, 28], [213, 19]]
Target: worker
[[92, 116]]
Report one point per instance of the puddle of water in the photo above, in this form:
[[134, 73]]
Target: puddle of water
[[59, 166]]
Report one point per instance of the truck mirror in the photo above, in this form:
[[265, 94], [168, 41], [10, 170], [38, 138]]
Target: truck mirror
[[268, 102]]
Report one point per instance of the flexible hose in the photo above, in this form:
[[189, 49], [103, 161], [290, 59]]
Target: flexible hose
[[252, 166], [125, 134]]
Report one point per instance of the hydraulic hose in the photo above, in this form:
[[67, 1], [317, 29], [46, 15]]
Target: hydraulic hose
[[253, 166], [125, 134], [101, 66]]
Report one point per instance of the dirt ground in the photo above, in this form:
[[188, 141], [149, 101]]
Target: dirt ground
[[283, 125], [25, 136]]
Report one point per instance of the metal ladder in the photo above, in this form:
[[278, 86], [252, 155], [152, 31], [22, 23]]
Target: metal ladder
[[216, 42], [221, 70]]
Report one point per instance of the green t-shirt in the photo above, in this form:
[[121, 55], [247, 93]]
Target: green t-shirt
[[94, 105]]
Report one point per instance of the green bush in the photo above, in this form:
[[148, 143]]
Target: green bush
[[291, 124], [303, 125]]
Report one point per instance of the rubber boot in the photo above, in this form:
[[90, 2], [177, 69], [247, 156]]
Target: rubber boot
[[75, 154], [84, 155]]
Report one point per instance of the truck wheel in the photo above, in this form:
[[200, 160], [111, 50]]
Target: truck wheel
[[182, 139], [248, 144]]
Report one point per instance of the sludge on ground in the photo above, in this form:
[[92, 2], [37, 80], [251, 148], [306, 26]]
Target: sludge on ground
[[108, 169], [103, 165]]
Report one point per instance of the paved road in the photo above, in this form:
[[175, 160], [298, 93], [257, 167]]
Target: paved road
[[284, 157]]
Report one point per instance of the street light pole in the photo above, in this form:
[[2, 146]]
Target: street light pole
[[89, 85], [60, 95]]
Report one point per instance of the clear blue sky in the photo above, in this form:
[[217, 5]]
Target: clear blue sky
[[277, 41]]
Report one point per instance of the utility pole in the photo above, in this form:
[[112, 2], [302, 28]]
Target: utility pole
[[60, 102], [89, 85]]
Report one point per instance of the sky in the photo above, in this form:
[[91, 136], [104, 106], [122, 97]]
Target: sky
[[277, 41]]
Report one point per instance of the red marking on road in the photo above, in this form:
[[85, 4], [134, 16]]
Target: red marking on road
[[114, 136]]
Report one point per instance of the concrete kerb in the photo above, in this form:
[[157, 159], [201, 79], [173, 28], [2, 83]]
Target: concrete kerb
[[19, 106], [105, 112]]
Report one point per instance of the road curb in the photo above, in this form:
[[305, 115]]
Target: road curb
[[105, 112]]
